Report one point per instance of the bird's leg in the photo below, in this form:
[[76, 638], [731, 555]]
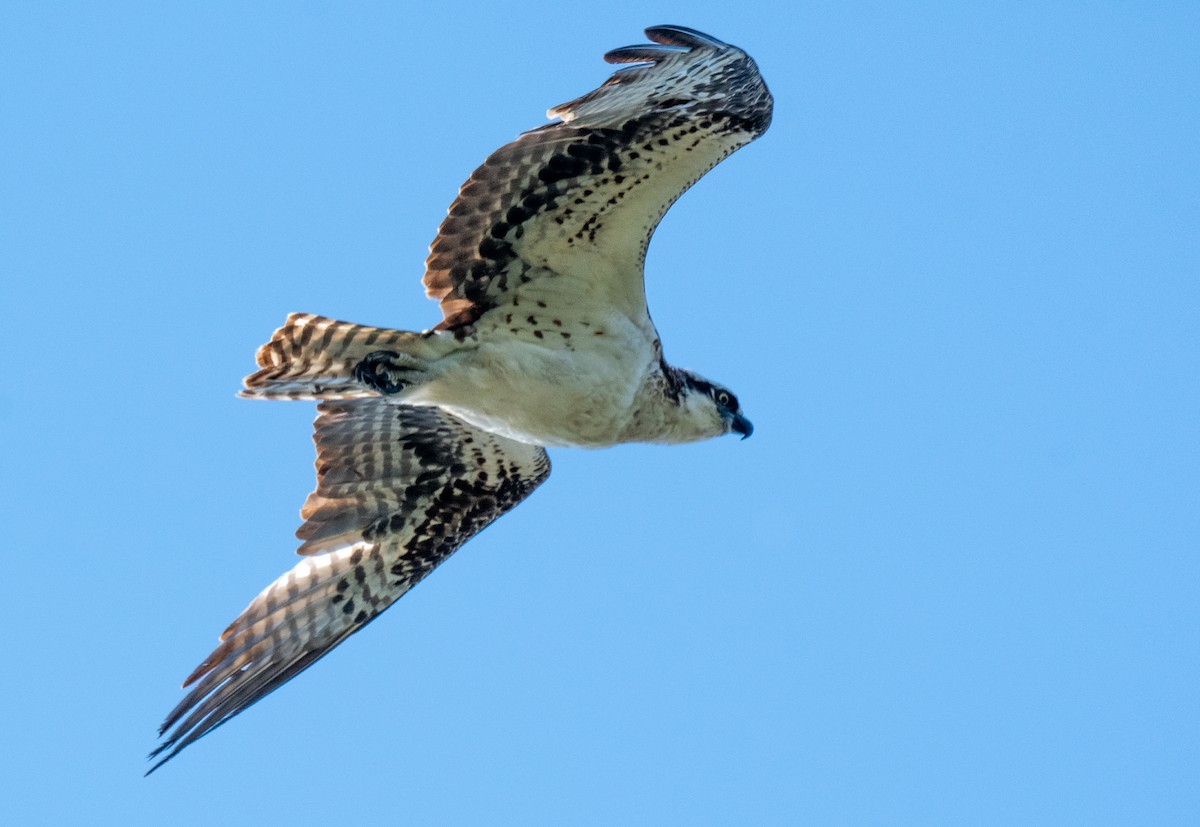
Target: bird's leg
[[385, 371]]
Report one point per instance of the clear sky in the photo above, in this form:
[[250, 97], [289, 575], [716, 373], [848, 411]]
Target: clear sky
[[952, 579]]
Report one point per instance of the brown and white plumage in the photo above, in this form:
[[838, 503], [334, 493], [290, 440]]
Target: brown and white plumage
[[423, 439], [581, 198], [399, 489]]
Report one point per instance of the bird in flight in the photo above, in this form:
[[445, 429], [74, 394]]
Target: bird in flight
[[423, 439]]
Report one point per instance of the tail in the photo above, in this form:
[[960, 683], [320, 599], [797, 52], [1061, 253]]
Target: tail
[[312, 357]]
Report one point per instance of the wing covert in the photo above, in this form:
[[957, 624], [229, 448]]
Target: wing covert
[[581, 197]]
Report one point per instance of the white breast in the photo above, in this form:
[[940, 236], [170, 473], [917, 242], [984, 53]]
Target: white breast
[[549, 389]]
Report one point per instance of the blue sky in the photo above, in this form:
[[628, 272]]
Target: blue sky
[[951, 579]]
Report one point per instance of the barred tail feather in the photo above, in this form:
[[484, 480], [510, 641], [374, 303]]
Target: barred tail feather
[[313, 357]]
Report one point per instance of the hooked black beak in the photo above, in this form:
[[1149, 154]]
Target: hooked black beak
[[742, 425]]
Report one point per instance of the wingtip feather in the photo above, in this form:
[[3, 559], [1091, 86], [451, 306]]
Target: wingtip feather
[[670, 35], [644, 53]]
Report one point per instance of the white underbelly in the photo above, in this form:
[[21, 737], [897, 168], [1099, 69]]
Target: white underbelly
[[546, 396]]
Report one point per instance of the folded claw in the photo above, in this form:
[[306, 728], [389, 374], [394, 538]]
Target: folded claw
[[379, 372]]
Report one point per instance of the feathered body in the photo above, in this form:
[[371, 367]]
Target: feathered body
[[423, 439]]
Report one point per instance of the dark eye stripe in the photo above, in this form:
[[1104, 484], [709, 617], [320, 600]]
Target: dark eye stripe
[[713, 392]]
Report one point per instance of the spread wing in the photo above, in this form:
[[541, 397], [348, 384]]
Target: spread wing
[[581, 197], [398, 490]]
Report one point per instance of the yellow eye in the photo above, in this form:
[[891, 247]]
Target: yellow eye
[[724, 398]]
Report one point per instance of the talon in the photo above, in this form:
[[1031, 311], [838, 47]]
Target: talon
[[376, 371]]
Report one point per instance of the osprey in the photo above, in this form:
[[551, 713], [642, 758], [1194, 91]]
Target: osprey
[[423, 439]]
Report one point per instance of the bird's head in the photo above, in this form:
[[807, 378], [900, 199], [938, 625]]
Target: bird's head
[[710, 409]]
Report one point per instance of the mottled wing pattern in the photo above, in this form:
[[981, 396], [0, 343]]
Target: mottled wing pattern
[[581, 197], [398, 490]]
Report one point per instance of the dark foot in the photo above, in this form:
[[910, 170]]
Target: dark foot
[[379, 373]]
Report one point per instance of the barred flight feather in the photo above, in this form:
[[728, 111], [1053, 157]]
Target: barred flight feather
[[405, 487]]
